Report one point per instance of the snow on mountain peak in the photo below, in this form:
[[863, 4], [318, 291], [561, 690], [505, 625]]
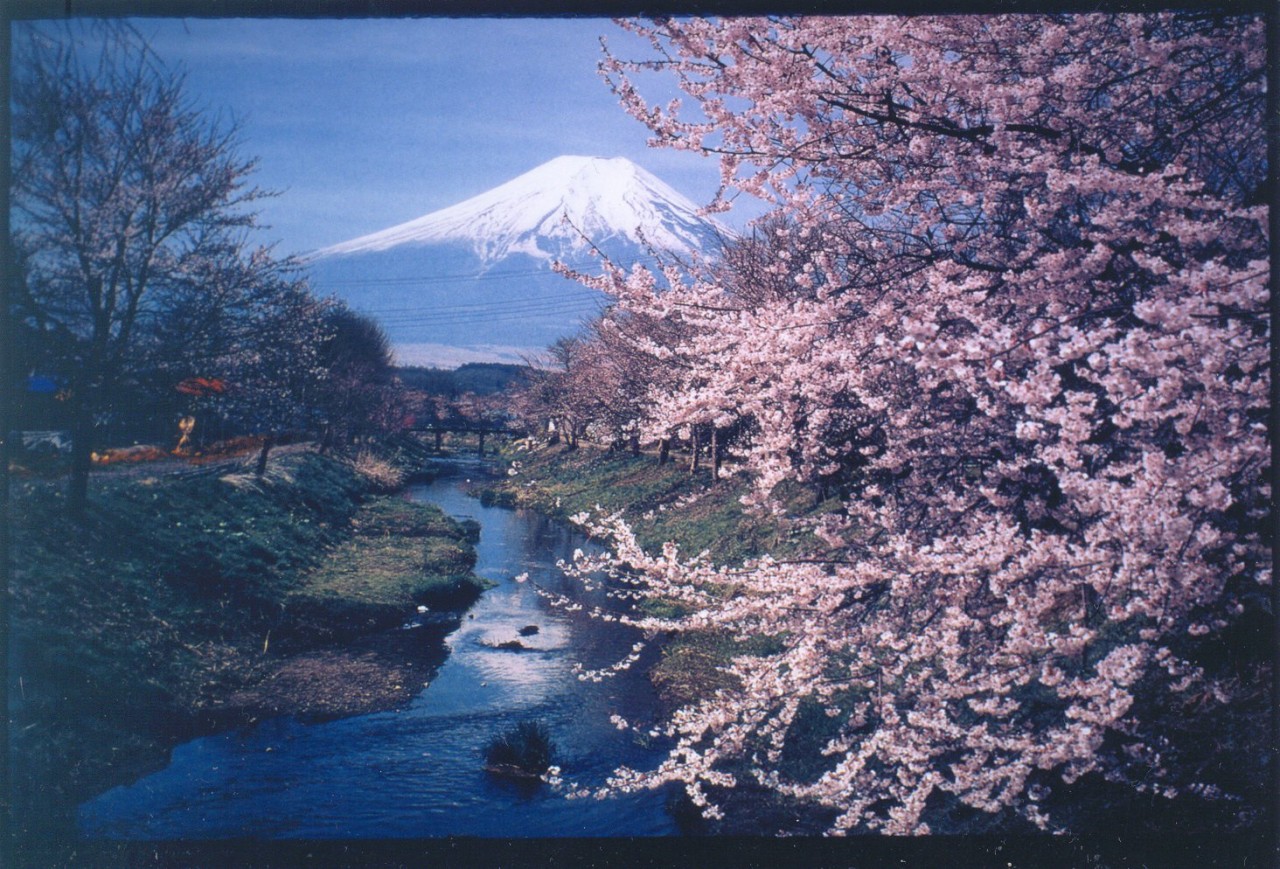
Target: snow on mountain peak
[[550, 209]]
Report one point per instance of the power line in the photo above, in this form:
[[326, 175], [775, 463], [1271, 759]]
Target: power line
[[588, 295], [483, 309], [469, 276], [445, 318], [493, 318]]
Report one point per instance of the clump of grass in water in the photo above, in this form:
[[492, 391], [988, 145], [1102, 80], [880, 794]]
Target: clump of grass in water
[[524, 751]]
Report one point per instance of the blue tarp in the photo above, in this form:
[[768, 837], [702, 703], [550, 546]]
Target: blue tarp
[[42, 384]]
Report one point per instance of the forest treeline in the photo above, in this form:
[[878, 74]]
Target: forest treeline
[[476, 378]]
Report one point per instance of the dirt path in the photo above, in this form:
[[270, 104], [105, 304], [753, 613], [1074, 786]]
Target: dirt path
[[173, 466], [181, 466]]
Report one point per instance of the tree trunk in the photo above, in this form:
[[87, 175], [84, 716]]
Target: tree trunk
[[81, 462], [267, 443], [664, 451], [481, 443], [715, 453], [439, 441], [635, 445], [693, 449]]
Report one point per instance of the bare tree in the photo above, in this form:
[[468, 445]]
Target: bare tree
[[122, 192]]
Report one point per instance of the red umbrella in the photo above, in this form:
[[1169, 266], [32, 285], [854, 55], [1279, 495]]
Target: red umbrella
[[202, 386]]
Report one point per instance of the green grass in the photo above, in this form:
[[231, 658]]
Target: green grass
[[691, 666], [161, 566], [397, 517], [175, 590], [660, 502], [402, 554]]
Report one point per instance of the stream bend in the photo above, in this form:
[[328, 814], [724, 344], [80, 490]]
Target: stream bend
[[417, 772]]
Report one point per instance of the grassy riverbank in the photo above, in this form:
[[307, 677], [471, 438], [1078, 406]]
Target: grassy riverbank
[[189, 601], [660, 502]]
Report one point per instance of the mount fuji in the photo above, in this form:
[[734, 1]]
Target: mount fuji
[[473, 282]]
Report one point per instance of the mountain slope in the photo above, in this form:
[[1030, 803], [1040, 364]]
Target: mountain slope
[[551, 208], [477, 275]]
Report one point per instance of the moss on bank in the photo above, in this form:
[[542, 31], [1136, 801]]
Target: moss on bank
[[177, 606], [402, 554]]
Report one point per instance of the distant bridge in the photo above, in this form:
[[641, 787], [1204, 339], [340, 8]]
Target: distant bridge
[[440, 429]]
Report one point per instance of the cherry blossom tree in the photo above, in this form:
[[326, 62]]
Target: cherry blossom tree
[[551, 399], [1015, 301], [270, 353]]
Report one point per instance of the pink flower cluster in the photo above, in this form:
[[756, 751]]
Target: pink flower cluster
[[1013, 308]]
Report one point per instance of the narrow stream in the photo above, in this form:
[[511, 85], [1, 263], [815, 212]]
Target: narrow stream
[[417, 771]]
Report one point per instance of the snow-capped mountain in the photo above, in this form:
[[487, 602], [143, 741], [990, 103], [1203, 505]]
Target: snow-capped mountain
[[477, 274], [553, 208]]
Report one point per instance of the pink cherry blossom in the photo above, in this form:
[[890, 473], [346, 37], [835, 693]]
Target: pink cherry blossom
[[1012, 308]]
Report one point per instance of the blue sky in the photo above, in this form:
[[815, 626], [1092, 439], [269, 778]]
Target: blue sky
[[362, 124]]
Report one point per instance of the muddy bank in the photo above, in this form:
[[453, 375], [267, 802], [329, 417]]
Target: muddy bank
[[334, 683]]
